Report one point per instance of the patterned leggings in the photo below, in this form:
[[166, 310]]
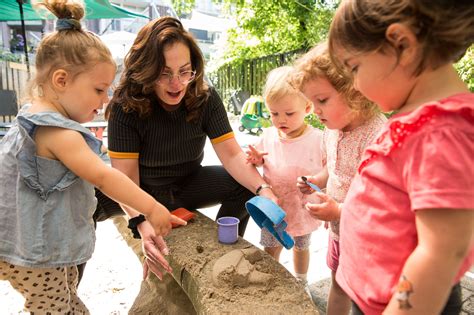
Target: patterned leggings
[[46, 290]]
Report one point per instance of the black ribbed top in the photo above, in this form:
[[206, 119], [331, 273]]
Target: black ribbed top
[[166, 145]]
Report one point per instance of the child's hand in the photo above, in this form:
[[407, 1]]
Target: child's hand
[[160, 219], [177, 220], [303, 187], [327, 210], [254, 156]]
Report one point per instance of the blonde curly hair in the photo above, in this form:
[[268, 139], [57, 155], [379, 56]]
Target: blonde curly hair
[[317, 63]]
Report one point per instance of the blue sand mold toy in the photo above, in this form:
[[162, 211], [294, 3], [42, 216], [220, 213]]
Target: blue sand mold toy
[[269, 215]]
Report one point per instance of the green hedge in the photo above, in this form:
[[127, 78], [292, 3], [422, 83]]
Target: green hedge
[[8, 56], [465, 67]]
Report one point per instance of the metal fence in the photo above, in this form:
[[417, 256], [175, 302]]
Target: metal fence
[[249, 76]]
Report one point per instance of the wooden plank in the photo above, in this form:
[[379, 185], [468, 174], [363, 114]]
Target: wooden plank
[[18, 66]]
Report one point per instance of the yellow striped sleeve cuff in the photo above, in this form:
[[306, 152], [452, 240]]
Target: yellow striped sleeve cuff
[[223, 138], [123, 155]]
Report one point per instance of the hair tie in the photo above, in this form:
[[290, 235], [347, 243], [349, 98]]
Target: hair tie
[[68, 24]]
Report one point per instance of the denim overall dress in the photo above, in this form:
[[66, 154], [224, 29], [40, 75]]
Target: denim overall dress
[[45, 209]]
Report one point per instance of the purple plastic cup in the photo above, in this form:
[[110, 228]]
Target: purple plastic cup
[[227, 230]]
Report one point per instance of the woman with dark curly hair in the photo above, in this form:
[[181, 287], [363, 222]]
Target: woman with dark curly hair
[[159, 118]]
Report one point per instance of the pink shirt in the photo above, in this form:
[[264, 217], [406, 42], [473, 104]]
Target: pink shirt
[[343, 152], [288, 159], [422, 160]]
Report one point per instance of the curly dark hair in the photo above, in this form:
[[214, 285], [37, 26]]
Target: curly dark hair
[[144, 63]]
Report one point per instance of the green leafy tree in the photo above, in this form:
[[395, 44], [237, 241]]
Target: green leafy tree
[[183, 8], [465, 68], [265, 27], [269, 27], [8, 56]]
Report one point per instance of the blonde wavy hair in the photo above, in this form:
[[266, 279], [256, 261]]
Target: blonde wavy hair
[[317, 63], [278, 85]]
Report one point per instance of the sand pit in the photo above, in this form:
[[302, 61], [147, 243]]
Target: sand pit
[[224, 279]]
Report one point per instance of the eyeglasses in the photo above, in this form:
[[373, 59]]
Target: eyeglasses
[[184, 77]]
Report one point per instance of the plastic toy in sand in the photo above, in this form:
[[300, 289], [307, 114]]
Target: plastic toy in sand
[[227, 230], [182, 213]]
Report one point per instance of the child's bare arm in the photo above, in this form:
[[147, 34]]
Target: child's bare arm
[[70, 148], [153, 246], [445, 237]]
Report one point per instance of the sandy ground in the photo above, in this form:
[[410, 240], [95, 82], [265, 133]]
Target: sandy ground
[[112, 277]]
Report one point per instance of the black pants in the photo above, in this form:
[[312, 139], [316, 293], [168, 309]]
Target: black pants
[[208, 186], [452, 307]]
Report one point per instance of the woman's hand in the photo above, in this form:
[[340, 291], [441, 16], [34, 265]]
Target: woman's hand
[[154, 248], [327, 210], [254, 156], [268, 193]]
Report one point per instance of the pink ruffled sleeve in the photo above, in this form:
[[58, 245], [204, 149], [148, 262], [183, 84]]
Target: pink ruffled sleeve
[[439, 170]]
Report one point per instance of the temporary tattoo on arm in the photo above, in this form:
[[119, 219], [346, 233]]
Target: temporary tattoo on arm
[[404, 289]]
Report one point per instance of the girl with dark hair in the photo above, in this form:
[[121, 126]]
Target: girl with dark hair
[[406, 235]]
